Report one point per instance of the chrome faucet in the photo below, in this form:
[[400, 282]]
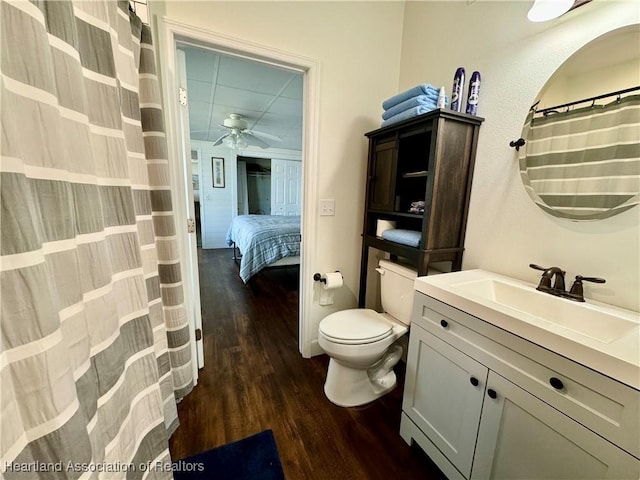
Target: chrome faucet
[[576, 293]]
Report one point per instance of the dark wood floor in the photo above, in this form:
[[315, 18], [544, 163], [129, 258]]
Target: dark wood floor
[[255, 379]]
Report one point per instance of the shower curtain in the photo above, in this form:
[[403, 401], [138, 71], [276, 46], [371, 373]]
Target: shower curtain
[[94, 341], [584, 164]]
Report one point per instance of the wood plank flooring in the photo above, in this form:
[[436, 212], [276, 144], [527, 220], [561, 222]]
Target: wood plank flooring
[[255, 379]]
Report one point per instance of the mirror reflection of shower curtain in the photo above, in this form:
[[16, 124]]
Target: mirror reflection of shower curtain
[[584, 164], [243, 194]]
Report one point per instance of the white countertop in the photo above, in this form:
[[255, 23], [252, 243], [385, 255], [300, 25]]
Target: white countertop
[[618, 358]]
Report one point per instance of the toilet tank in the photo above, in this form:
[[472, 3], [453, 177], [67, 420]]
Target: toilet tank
[[396, 290]]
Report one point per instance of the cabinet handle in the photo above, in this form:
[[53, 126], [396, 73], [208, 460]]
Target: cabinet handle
[[444, 323], [474, 381], [492, 393], [556, 383]]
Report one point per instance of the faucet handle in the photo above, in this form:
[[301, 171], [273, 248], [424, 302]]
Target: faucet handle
[[577, 292], [590, 279], [545, 281], [538, 267]]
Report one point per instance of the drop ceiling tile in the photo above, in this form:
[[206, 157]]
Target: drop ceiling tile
[[286, 121], [287, 106], [201, 64], [294, 89], [198, 122], [241, 99], [199, 91], [252, 76], [199, 107], [199, 136]]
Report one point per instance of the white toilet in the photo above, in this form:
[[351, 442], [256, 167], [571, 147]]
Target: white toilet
[[358, 340]]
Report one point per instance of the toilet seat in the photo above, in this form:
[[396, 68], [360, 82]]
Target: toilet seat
[[355, 327]]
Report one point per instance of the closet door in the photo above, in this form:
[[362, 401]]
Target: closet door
[[286, 189]]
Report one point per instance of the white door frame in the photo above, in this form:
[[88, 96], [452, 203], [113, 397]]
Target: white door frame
[[170, 33], [193, 292]]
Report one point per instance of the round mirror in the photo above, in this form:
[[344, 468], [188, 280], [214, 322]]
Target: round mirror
[[581, 155]]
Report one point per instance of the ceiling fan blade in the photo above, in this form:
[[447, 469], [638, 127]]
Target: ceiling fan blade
[[254, 140], [264, 135], [219, 141]]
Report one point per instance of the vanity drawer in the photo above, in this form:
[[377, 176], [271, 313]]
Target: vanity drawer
[[606, 406]]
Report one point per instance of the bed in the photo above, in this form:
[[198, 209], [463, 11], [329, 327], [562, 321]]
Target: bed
[[264, 241]]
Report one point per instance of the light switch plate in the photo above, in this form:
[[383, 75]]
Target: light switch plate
[[327, 207]]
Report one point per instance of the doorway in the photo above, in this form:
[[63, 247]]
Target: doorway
[[171, 34]]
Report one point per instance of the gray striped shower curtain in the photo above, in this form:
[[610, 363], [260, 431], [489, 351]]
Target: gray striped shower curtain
[[95, 347], [584, 164]]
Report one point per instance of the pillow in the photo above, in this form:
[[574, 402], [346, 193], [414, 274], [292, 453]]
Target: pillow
[[405, 237]]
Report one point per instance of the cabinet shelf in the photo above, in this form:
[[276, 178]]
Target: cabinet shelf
[[410, 253], [427, 158], [396, 214], [421, 174]]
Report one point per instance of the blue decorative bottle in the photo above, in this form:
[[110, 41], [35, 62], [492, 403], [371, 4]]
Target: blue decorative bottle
[[474, 93], [456, 92]]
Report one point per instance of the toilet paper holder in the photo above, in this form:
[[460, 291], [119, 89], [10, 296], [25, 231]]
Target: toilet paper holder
[[319, 278]]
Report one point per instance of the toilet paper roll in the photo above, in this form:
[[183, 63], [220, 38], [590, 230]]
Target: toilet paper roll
[[333, 280], [383, 225]]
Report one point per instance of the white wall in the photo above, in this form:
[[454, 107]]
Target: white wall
[[216, 204], [592, 83], [506, 231], [357, 45]]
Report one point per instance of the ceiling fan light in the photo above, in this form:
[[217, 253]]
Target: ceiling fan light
[[543, 10], [234, 141], [230, 141]]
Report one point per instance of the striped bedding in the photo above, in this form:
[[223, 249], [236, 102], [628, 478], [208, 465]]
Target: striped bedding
[[263, 240]]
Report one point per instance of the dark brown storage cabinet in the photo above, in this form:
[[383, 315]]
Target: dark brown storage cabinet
[[428, 158]]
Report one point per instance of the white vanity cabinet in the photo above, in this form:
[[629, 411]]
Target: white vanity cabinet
[[443, 396], [484, 403]]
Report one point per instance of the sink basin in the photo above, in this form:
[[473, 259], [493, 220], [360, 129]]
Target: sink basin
[[603, 337], [603, 325]]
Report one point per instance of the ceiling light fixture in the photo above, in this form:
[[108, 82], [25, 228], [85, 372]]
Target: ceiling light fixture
[[234, 140], [543, 10]]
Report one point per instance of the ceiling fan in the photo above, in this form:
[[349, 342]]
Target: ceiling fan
[[239, 136]]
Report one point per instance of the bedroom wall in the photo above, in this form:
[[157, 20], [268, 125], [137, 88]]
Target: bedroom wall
[[217, 205], [506, 231], [357, 45]]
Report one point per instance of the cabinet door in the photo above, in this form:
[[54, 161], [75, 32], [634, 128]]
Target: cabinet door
[[521, 437], [443, 396], [383, 177]]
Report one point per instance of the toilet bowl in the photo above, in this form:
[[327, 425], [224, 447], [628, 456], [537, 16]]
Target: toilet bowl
[[360, 342]]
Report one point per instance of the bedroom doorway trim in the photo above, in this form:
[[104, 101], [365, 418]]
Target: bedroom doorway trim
[[170, 34]]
